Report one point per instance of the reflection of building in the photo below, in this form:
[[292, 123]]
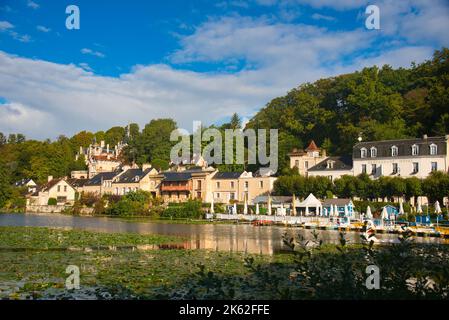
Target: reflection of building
[[405, 158], [332, 167], [305, 159]]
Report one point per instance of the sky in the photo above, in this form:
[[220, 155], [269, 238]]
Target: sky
[[199, 60]]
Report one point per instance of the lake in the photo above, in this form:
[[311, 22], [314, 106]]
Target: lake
[[219, 237]]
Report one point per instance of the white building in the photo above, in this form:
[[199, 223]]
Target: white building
[[332, 168], [405, 158]]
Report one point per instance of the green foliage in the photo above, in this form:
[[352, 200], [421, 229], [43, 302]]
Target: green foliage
[[52, 202], [190, 209], [133, 203]]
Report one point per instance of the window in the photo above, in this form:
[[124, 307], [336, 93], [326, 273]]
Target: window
[[364, 168], [261, 184], [198, 184], [136, 178], [330, 164], [59, 188], [415, 150], [306, 164], [434, 166], [363, 153], [394, 151], [232, 196], [373, 152], [297, 163], [433, 149], [415, 167], [65, 188], [218, 195], [198, 195], [232, 184], [373, 169], [246, 184], [218, 185], [395, 168]]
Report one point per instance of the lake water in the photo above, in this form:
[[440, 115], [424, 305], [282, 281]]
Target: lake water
[[221, 237]]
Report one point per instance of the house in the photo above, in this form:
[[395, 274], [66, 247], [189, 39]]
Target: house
[[176, 186], [225, 187], [416, 157], [332, 167], [340, 204], [305, 159], [100, 184], [58, 189], [133, 179], [28, 183], [252, 186]]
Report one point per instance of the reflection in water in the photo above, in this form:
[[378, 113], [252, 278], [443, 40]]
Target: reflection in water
[[219, 237]]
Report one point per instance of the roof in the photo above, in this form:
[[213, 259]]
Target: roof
[[227, 175], [97, 179], [274, 199], [404, 146], [337, 201], [77, 183], [264, 172], [132, 176], [312, 146], [310, 201], [172, 176], [339, 163], [50, 184], [23, 182]]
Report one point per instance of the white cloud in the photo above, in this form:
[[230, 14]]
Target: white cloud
[[33, 4], [92, 52], [317, 16], [8, 28], [5, 25], [43, 29]]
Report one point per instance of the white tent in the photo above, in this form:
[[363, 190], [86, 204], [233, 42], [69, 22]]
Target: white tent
[[401, 207], [331, 211], [336, 213], [310, 202], [384, 213]]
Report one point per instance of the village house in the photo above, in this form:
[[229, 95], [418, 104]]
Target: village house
[[332, 167], [405, 158], [28, 183], [305, 159], [134, 179], [58, 189]]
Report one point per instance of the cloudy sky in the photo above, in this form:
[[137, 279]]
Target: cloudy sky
[[133, 61]]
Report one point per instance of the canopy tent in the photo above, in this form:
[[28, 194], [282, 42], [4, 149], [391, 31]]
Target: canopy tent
[[437, 207], [310, 202], [369, 215]]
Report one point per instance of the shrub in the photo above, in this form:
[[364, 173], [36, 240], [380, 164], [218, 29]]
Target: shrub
[[190, 209], [52, 202]]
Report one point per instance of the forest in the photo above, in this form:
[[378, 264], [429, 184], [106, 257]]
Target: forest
[[376, 103]]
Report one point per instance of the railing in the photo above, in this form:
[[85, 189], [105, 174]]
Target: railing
[[175, 188]]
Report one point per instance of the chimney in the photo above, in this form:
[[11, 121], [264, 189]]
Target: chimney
[[424, 136], [49, 178]]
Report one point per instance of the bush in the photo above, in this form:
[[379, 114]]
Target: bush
[[190, 209], [52, 202], [133, 203]]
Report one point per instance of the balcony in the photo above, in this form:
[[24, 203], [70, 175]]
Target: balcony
[[170, 188]]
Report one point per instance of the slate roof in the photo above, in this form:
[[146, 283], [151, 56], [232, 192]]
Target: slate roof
[[129, 176], [340, 163], [338, 202], [312, 146], [404, 147], [77, 183], [97, 179], [49, 185], [226, 175], [172, 176], [22, 182]]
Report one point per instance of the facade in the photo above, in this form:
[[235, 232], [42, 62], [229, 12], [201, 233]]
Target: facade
[[403, 158], [305, 159], [100, 184], [29, 183], [225, 187], [332, 167], [136, 179], [58, 189], [340, 204]]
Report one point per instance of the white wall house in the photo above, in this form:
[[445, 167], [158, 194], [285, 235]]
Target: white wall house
[[405, 158]]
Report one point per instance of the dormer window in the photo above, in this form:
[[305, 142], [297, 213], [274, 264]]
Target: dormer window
[[136, 178], [373, 152], [433, 149], [330, 164], [394, 151], [415, 150], [363, 153]]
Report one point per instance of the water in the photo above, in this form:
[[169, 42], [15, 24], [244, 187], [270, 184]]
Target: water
[[221, 237]]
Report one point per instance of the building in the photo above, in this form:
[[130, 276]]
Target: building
[[100, 184], [58, 189], [402, 158], [225, 187], [332, 167], [28, 183], [340, 204], [134, 179], [305, 159]]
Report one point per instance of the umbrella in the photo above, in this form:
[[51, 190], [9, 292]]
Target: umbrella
[[245, 207], [369, 215], [294, 205], [212, 204], [346, 211], [269, 205], [331, 211], [257, 208], [317, 211], [234, 211], [419, 209], [307, 211], [401, 207], [384, 213], [437, 207], [336, 213]]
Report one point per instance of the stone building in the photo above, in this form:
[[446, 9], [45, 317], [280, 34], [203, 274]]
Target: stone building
[[305, 159]]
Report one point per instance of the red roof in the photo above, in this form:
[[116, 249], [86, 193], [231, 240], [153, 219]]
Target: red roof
[[312, 147]]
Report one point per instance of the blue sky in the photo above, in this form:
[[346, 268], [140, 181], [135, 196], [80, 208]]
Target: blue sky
[[132, 60]]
